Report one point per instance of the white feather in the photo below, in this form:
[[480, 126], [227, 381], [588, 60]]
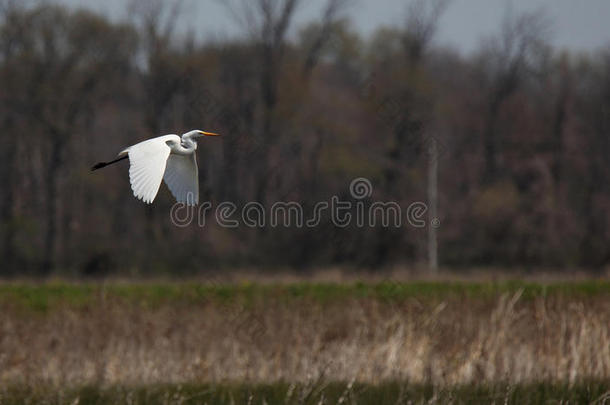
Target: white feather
[[182, 178], [147, 164]]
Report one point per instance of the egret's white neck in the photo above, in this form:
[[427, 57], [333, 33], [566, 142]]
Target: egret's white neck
[[187, 143], [183, 147]]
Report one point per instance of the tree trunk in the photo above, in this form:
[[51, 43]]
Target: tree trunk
[[8, 245], [489, 145], [433, 206], [50, 240]]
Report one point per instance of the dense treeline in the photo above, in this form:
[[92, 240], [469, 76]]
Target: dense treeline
[[517, 134]]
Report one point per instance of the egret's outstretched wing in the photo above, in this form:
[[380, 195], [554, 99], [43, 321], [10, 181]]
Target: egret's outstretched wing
[[182, 178], [147, 165]]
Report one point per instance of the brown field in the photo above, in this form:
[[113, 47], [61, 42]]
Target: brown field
[[106, 337]]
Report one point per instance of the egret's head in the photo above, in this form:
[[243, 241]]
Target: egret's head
[[196, 133]]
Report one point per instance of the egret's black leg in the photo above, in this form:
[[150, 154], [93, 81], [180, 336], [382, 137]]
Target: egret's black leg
[[104, 164]]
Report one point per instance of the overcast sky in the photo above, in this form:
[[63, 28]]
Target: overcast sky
[[580, 25]]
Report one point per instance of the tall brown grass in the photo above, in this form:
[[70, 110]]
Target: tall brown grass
[[459, 340]]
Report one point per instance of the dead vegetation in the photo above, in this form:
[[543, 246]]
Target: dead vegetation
[[506, 338]]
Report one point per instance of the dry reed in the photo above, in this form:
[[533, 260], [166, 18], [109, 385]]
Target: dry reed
[[444, 342]]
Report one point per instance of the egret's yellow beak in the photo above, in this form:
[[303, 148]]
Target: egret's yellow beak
[[208, 133]]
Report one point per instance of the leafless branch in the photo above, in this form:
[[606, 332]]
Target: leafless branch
[[421, 24], [266, 20], [156, 17], [283, 22], [329, 17]]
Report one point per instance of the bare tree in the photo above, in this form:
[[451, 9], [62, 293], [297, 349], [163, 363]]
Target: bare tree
[[10, 34], [162, 80], [421, 25], [156, 20], [58, 67], [330, 15], [594, 180], [514, 55], [560, 114], [433, 157], [412, 129], [268, 23]]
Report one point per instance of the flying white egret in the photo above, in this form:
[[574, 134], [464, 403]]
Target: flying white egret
[[168, 157]]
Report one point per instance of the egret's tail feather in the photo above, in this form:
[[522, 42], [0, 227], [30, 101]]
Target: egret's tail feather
[[104, 164]]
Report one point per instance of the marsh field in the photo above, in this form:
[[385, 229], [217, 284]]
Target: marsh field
[[305, 342]]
